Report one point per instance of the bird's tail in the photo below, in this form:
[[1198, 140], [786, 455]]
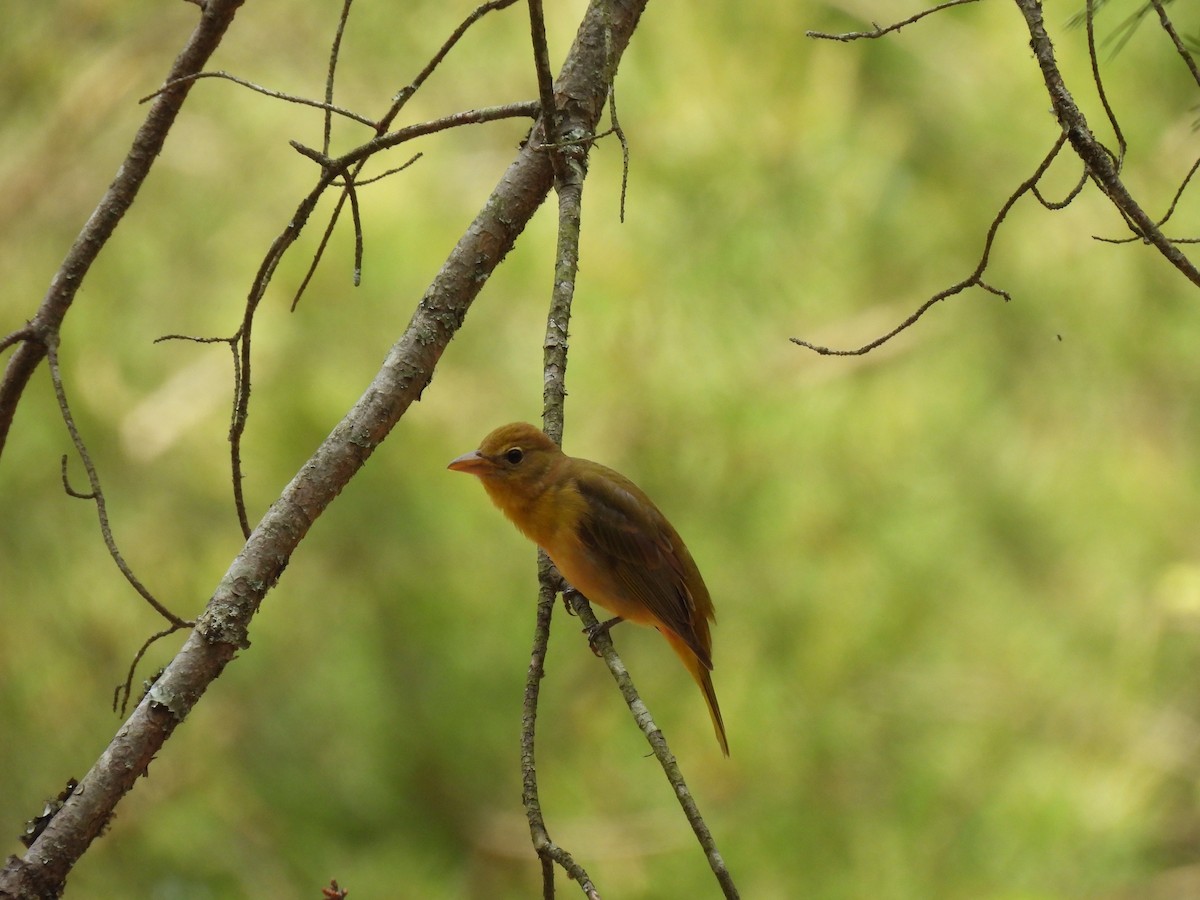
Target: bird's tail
[[701, 674]]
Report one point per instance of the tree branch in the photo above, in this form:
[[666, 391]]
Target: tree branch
[[223, 628], [1099, 161], [215, 18]]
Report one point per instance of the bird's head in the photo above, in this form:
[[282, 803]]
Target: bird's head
[[517, 455]]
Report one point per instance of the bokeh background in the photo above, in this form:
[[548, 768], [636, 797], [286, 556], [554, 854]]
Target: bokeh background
[[958, 579]]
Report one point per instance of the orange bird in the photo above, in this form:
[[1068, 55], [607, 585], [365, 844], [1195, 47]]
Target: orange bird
[[607, 539]]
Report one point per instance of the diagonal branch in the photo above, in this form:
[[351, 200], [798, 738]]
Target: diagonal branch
[[670, 766], [1096, 157], [215, 18]]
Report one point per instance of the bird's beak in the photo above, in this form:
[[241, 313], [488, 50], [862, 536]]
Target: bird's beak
[[472, 463]]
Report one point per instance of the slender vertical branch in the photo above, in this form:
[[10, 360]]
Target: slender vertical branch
[[569, 186], [570, 148], [335, 51]]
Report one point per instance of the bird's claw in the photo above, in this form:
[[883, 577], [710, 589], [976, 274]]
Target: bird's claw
[[594, 631]]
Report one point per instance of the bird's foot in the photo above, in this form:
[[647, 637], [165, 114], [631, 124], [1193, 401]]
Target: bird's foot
[[594, 631]]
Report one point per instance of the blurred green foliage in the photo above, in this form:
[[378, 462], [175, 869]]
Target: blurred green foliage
[[958, 579]]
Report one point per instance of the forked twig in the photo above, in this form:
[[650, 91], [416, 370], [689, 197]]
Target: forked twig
[[1101, 164], [44, 326], [1097, 158], [1166, 216], [975, 279], [328, 107], [877, 31], [96, 494], [382, 125]]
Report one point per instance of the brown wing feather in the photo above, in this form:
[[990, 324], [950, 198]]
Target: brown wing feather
[[646, 557]]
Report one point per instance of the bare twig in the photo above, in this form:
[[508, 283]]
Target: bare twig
[[876, 31], [615, 128], [42, 330], [1167, 216], [1184, 53], [356, 219], [405, 93], [1119, 156], [96, 494], [123, 691], [361, 182], [547, 850], [1102, 166], [334, 54], [541, 63], [328, 107], [1054, 205], [975, 279], [1095, 156], [360, 155], [398, 102], [603, 643]]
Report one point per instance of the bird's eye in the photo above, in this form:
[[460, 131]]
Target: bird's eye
[[514, 456]]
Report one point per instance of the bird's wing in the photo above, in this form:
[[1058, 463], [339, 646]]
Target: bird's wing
[[633, 541]]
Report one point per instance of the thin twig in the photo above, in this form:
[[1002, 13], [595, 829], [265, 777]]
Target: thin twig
[[361, 182], [356, 219], [328, 107], [21, 334], [1188, 59], [541, 63], [334, 54], [123, 691], [975, 279], [216, 17], [641, 714], [615, 124], [1119, 157], [66, 482], [405, 93], [1166, 217], [1055, 205], [381, 126], [405, 134], [96, 494], [547, 850], [1095, 156], [876, 31]]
